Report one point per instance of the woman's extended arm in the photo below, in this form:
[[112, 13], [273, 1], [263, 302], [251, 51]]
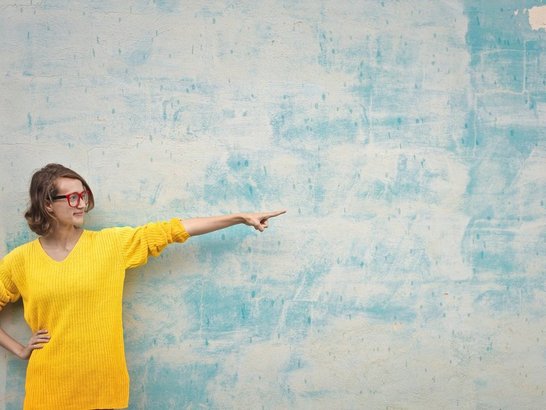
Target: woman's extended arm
[[200, 226], [23, 352]]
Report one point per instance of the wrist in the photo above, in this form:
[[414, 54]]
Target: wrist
[[20, 352], [243, 218]]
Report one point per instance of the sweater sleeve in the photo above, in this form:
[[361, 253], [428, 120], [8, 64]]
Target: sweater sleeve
[[8, 290], [150, 239]]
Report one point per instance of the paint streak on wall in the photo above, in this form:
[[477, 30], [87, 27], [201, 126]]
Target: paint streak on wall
[[410, 152]]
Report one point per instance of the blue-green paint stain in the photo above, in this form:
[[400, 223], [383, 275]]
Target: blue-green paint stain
[[488, 243], [337, 130], [239, 177], [414, 180], [293, 124], [15, 383], [296, 322], [167, 6], [163, 384], [139, 56], [23, 236], [229, 114], [523, 139], [219, 310], [216, 311], [390, 311], [155, 194], [93, 137], [217, 246], [493, 26], [510, 299], [238, 162], [295, 363]]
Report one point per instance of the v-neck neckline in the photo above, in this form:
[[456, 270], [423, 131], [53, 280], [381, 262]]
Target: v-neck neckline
[[67, 257]]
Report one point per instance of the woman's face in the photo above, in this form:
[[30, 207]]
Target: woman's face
[[65, 214]]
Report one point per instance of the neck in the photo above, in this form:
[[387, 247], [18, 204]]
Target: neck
[[63, 236]]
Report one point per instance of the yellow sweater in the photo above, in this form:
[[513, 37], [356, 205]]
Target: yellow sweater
[[79, 301]]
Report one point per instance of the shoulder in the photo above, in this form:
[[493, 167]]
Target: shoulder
[[17, 258], [106, 234], [21, 251]]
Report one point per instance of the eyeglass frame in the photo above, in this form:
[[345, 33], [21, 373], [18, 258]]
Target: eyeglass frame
[[80, 198]]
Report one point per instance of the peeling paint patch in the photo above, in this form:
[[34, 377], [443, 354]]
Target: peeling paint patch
[[537, 17]]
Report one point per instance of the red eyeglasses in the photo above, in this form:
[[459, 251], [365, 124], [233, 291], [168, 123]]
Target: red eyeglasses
[[74, 198]]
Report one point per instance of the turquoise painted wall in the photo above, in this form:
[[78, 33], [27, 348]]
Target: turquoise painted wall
[[407, 139]]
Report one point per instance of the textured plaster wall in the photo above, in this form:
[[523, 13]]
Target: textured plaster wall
[[406, 139]]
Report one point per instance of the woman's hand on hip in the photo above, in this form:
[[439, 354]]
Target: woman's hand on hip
[[36, 341]]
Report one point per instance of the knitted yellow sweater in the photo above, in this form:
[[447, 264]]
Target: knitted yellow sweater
[[79, 301]]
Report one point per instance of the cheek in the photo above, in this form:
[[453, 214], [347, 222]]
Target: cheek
[[59, 211]]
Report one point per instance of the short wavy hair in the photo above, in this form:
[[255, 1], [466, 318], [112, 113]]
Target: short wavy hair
[[42, 190]]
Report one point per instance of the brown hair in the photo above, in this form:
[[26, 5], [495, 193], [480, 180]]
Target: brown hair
[[42, 190]]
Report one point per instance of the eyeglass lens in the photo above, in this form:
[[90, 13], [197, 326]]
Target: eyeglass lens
[[74, 199]]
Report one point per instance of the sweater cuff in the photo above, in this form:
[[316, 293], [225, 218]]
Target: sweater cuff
[[179, 231]]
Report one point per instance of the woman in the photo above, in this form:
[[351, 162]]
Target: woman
[[71, 283]]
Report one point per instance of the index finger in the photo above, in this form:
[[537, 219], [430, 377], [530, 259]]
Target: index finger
[[274, 214]]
